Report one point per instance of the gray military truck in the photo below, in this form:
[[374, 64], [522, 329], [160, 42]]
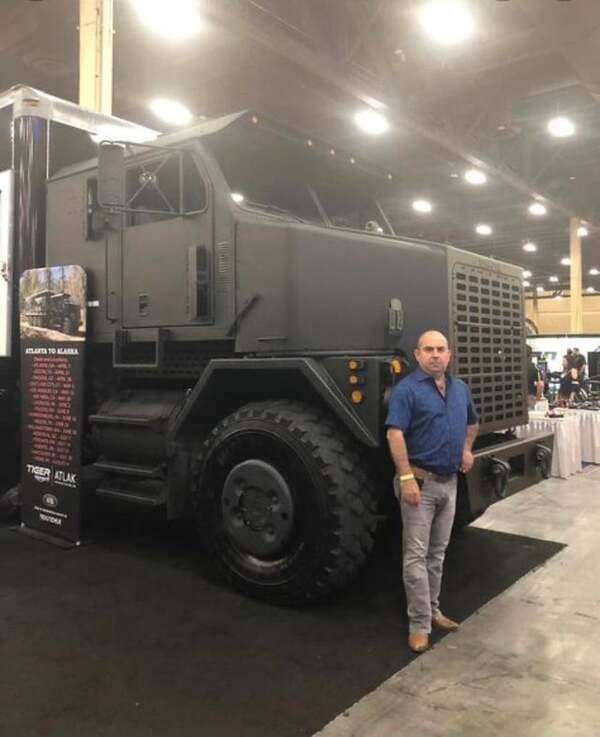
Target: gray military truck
[[54, 311], [250, 310]]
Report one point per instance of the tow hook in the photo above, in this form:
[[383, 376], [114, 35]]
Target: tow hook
[[499, 472], [543, 460]]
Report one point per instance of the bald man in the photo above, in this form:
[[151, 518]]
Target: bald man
[[432, 425]]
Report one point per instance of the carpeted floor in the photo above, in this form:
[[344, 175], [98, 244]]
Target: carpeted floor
[[135, 635]]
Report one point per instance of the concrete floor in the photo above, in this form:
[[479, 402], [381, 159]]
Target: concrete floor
[[526, 663]]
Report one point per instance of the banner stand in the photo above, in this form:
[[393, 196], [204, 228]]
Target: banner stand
[[52, 307], [59, 542]]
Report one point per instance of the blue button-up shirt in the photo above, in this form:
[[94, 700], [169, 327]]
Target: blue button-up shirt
[[434, 426]]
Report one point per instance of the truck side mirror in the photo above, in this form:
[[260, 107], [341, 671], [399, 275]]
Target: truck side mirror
[[111, 175]]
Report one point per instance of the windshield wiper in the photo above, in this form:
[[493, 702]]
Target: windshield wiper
[[276, 209]]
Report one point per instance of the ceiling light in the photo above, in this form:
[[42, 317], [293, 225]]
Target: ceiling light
[[446, 21], [423, 206], [484, 229], [237, 197], [526, 274], [529, 247], [561, 127], [539, 290], [475, 176], [170, 111], [175, 19], [553, 279], [590, 290], [593, 272], [536, 208], [526, 284], [371, 122], [582, 231], [566, 261]]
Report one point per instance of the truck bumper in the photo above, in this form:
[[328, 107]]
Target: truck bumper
[[504, 469]]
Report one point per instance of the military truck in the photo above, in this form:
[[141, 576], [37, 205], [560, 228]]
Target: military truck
[[54, 311], [250, 310]]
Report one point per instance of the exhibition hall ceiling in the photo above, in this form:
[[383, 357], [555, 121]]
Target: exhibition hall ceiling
[[484, 102]]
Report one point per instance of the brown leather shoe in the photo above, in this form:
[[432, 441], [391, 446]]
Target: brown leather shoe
[[418, 642], [443, 623]]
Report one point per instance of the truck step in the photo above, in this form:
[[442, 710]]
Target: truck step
[[133, 497], [128, 469]]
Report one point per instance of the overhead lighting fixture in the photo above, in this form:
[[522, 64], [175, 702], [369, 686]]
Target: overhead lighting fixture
[[447, 22], [170, 111], [422, 206], [237, 197], [475, 176], [526, 283], [526, 274], [539, 290], [590, 290], [553, 279], [566, 261], [529, 247], [176, 20], [371, 122], [483, 229], [593, 272], [537, 208], [561, 127], [582, 231]]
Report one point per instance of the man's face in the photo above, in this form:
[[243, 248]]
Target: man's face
[[432, 353]]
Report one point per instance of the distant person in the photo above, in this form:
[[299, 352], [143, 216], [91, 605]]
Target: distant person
[[535, 384], [432, 425], [568, 381], [579, 363]]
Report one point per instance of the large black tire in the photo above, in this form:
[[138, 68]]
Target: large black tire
[[296, 521]]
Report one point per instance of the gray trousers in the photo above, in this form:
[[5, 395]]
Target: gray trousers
[[425, 534]]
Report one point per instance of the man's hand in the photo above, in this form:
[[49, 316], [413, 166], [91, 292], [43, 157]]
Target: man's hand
[[410, 493], [467, 461]]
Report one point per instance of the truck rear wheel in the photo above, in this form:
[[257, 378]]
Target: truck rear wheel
[[284, 502]]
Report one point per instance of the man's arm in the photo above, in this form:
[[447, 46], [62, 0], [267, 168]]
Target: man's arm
[[409, 489], [467, 456]]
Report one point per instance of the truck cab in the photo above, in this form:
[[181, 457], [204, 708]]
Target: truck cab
[[250, 310]]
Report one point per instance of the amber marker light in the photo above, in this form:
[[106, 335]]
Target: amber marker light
[[356, 396], [354, 364], [355, 380], [396, 366]]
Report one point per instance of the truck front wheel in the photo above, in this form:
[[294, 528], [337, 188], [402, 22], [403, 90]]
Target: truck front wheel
[[284, 502]]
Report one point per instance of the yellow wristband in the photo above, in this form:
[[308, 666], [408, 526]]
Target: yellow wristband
[[406, 477]]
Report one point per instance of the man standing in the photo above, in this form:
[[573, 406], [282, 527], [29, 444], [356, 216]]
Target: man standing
[[432, 425]]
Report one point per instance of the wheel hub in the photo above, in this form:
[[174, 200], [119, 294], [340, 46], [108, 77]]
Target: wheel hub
[[258, 508]]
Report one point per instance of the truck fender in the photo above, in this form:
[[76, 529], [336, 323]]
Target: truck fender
[[226, 384]]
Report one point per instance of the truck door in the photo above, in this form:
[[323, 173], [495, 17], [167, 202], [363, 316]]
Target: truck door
[[167, 244], [6, 227]]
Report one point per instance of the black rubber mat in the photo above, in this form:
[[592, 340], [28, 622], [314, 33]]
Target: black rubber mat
[[135, 635]]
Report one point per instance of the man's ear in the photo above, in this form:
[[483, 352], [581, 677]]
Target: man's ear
[[416, 353]]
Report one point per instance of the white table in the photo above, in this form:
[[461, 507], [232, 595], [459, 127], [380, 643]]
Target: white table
[[567, 456], [589, 428]]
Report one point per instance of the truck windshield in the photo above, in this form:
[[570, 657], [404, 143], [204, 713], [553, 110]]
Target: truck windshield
[[288, 178]]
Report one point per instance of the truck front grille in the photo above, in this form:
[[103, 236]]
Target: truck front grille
[[489, 343]]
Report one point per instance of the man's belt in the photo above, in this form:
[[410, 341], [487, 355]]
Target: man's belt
[[423, 475]]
